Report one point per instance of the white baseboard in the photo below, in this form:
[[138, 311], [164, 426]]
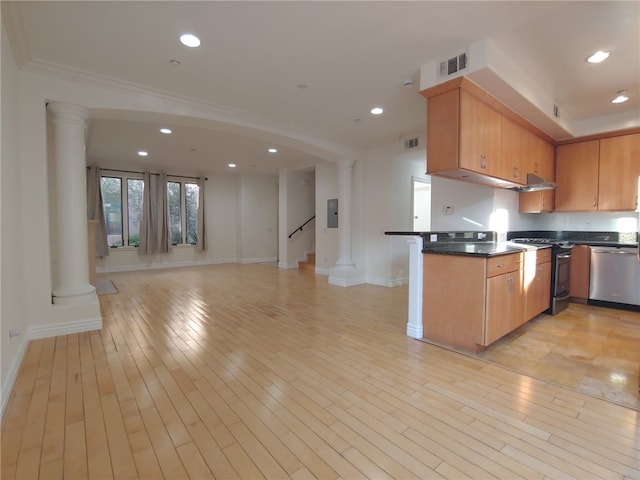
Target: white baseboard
[[64, 328], [259, 260], [12, 375], [384, 282], [288, 266], [156, 266], [322, 271]]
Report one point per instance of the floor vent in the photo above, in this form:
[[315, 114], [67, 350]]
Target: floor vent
[[454, 65]]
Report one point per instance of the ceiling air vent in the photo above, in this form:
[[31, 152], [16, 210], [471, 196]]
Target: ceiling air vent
[[410, 143], [454, 65]]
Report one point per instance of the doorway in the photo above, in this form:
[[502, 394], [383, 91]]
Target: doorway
[[421, 204]]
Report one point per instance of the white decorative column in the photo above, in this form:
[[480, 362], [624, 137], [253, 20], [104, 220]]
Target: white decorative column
[[414, 323], [72, 285], [343, 273]]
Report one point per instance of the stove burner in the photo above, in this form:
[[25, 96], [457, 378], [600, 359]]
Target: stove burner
[[543, 241]]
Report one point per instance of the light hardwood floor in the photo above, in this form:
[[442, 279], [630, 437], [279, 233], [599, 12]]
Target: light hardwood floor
[[248, 371]]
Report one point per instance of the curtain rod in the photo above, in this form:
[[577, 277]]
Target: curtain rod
[[141, 173]]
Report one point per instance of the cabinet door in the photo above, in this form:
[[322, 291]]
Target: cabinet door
[[579, 272], [536, 202], [504, 305], [480, 136], [516, 151], [577, 176], [443, 120], [538, 294], [619, 172], [544, 161]]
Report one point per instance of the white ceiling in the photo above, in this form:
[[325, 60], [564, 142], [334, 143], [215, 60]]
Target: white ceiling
[[350, 56]]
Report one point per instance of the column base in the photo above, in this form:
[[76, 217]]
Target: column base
[[344, 276], [69, 296]]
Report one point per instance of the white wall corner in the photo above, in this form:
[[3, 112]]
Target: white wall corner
[[12, 375], [345, 276]]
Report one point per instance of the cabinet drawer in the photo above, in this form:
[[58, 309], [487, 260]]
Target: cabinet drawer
[[503, 264], [543, 255]]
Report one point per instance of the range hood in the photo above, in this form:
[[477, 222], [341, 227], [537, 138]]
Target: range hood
[[535, 184]]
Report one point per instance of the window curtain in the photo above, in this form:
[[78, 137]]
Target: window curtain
[[201, 243], [155, 234], [95, 210]]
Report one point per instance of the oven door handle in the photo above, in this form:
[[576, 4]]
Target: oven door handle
[[568, 255]]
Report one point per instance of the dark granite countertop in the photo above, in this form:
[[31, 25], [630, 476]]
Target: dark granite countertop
[[481, 249]]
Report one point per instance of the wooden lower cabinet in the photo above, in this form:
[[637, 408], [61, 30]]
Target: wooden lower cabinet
[[469, 301], [580, 269], [505, 303], [537, 282]]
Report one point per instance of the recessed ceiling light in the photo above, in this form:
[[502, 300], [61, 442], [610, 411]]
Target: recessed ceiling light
[[598, 56], [142, 153], [272, 150], [302, 86], [174, 63], [232, 165], [376, 110], [189, 40], [166, 131], [622, 97]]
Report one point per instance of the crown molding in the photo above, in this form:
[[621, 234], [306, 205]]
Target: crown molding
[[12, 18], [252, 125]]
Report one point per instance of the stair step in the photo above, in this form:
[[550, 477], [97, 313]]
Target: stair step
[[310, 264]]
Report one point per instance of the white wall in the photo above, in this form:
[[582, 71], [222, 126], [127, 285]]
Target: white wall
[[12, 281], [387, 203], [326, 238], [257, 218], [475, 207], [587, 222]]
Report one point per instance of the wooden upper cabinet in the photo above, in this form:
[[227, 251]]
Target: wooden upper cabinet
[[577, 176], [480, 136], [517, 151], [543, 160], [539, 159], [619, 172]]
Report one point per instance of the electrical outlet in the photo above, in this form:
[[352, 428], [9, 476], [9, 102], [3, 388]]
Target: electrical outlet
[[447, 210], [13, 333]]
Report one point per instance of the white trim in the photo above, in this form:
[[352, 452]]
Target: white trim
[[156, 266], [259, 260], [346, 282], [383, 282], [12, 375], [64, 328], [322, 271], [288, 266]]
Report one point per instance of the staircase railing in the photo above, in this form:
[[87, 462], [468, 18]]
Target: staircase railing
[[299, 229]]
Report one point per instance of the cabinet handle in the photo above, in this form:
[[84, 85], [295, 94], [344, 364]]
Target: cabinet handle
[[535, 167], [515, 172], [595, 202], [544, 202], [500, 265]]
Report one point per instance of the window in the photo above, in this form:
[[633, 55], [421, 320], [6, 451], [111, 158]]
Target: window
[[183, 212], [122, 223], [191, 193], [175, 212], [112, 206], [135, 187]]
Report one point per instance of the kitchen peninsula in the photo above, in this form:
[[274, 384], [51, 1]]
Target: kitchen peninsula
[[468, 289], [474, 289]]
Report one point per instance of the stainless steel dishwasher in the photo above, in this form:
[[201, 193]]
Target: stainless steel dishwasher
[[615, 275]]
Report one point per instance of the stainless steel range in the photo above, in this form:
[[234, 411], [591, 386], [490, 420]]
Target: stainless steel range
[[560, 270]]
